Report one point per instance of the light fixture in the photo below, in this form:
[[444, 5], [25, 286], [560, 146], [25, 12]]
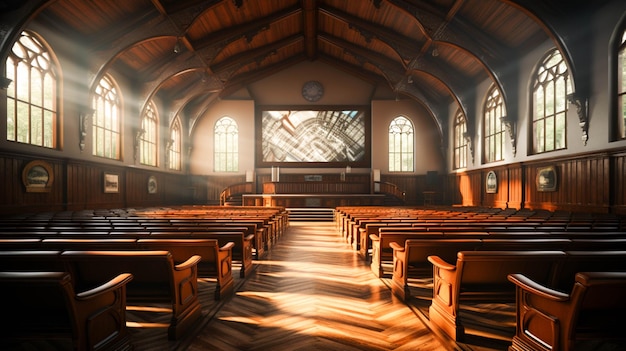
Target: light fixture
[[177, 46], [435, 52]]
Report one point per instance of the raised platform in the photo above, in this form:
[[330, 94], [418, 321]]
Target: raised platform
[[313, 200]]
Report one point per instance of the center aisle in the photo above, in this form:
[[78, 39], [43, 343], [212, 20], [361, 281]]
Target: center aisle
[[313, 292]]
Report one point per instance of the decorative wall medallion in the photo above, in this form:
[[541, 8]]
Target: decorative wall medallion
[[312, 90], [152, 185], [491, 183], [37, 177]]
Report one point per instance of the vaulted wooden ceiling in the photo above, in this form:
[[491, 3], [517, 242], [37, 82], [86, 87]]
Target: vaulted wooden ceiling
[[187, 51]]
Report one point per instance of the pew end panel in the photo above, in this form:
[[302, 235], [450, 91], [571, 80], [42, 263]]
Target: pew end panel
[[411, 260], [45, 307], [481, 276], [156, 279], [547, 319]]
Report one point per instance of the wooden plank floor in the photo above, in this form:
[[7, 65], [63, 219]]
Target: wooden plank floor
[[312, 292]]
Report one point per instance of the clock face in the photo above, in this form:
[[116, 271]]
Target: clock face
[[312, 91]]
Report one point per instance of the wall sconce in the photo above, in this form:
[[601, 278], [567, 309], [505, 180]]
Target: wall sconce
[[138, 135], [582, 108], [468, 140], [5, 82], [435, 51], [83, 116], [177, 46]]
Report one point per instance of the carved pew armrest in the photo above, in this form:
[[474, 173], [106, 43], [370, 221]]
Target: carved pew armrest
[[105, 288], [438, 263], [190, 263], [537, 289], [396, 247], [228, 246]]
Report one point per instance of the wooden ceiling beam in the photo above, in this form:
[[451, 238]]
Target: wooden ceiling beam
[[309, 16], [372, 57], [250, 56], [231, 34], [243, 80], [402, 45]]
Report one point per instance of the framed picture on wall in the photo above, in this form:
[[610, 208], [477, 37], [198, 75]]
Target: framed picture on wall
[[37, 177], [546, 179], [111, 183], [491, 183]]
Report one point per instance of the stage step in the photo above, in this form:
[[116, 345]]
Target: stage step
[[311, 214]]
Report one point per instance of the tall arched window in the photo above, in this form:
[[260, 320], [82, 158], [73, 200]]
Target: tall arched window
[[621, 87], [460, 142], [148, 137], [32, 96], [226, 154], [174, 146], [107, 119], [493, 142], [551, 85], [401, 145]]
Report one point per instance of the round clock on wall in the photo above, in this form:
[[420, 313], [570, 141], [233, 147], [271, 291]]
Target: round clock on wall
[[312, 90]]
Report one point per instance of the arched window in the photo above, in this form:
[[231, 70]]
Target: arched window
[[32, 96], [226, 153], [550, 88], [174, 146], [460, 142], [148, 137], [621, 87], [493, 142], [107, 119], [401, 145]]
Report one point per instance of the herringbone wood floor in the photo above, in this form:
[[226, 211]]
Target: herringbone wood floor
[[312, 292]]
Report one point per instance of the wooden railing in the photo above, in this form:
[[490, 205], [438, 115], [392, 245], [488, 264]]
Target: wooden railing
[[391, 189], [236, 189], [315, 188]]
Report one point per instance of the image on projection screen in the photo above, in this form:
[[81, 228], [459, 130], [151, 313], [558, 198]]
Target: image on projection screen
[[313, 136]]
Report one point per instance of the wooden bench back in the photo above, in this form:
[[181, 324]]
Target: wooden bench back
[[152, 270], [487, 271]]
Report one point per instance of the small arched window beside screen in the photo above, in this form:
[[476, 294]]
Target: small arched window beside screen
[[33, 94], [226, 147], [401, 152]]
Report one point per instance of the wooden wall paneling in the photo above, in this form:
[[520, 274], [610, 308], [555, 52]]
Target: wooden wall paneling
[[515, 186], [618, 181], [410, 184], [15, 199]]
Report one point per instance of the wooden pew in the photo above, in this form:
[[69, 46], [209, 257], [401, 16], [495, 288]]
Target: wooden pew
[[382, 251], [242, 250], [548, 319], [44, 306], [482, 276], [411, 259], [216, 261], [156, 278]]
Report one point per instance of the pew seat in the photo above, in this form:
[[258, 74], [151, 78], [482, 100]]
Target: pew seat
[[44, 307]]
